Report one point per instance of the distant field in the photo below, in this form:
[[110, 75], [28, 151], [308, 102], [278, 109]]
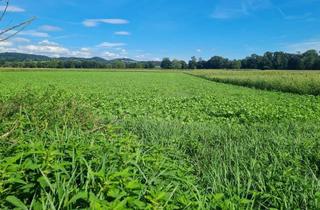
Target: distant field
[[301, 82], [155, 140]]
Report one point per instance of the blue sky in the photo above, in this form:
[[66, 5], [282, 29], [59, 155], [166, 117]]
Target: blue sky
[[151, 30]]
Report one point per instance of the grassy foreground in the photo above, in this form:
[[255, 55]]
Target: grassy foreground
[[300, 82], [108, 140]]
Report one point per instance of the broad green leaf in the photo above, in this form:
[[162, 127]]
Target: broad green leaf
[[134, 184], [16, 202]]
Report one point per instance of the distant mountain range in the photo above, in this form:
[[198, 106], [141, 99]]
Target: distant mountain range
[[19, 57]]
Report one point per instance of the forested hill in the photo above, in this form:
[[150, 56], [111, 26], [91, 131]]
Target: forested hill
[[22, 60], [7, 56]]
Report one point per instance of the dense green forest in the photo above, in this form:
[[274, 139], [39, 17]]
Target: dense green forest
[[310, 60]]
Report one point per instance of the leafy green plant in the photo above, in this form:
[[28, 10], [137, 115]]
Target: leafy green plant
[[129, 140]]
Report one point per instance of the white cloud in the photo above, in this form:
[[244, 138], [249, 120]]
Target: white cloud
[[5, 44], [199, 50], [47, 48], [96, 22], [49, 28], [304, 46], [121, 50], [124, 51], [20, 40], [122, 33], [85, 49], [83, 53], [6, 49], [49, 43], [110, 55], [34, 33], [55, 51], [12, 9], [111, 45], [142, 56]]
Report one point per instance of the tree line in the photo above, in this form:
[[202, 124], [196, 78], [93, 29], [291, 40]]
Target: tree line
[[310, 60], [77, 64]]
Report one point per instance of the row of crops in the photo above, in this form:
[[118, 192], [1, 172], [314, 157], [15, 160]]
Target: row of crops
[[300, 82]]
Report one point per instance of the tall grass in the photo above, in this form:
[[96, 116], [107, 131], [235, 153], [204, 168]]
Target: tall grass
[[287, 81], [255, 167]]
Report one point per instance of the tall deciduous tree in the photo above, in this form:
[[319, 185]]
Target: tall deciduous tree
[[166, 63], [193, 63], [309, 59], [267, 60], [176, 64]]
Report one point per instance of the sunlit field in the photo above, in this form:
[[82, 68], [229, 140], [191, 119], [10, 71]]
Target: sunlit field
[[159, 140], [300, 82]]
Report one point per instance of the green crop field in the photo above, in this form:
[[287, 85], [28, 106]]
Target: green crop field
[[300, 82], [151, 140]]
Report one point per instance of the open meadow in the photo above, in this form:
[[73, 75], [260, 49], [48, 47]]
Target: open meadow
[[158, 140]]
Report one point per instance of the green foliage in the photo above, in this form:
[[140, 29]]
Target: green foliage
[[60, 156], [174, 64], [270, 60], [124, 140], [21, 60], [192, 63], [166, 64], [119, 65]]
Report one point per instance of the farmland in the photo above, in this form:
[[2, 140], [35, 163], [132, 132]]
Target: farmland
[[151, 140], [300, 82]]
